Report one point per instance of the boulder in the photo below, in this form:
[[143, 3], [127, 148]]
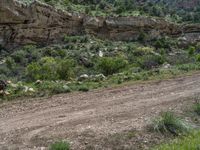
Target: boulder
[[97, 78], [38, 82], [166, 66], [100, 77], [83, 77]]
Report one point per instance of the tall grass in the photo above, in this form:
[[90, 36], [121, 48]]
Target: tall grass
[[169, 123], [190, 142], [197, 108], [61, 145]]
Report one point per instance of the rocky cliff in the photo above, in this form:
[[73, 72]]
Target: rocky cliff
[[42, 24], [36, 23]]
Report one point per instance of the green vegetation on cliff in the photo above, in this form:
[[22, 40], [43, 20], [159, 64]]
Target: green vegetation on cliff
[[175, 11]]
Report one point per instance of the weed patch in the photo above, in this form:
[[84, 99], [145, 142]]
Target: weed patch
[[189, 142], [197, 108], [169, 123], [60, 146]]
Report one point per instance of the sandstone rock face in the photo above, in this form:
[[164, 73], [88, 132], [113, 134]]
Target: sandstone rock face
[[36, 23], [39, 23]]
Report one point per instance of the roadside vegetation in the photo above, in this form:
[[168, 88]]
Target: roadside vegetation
[[82, 63], [170, 123], [197, 108], [189, 138], [189, 142], [60, 145]]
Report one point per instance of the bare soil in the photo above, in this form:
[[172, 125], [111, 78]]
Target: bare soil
[[93, 119]]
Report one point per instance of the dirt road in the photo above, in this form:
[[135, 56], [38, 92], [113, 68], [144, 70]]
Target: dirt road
[[34, 123]]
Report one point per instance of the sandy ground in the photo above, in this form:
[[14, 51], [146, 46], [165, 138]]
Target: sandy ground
[[34, 123]]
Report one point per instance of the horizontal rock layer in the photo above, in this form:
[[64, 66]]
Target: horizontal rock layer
[[39, 23]]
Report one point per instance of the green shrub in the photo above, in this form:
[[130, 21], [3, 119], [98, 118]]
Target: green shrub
[[26, 55], [56, 2], [181, 58], [75, 39], [141, 51], [123, 6], [60, 89], [168, 122], [197, 108], [19, 56], [45, 69], [188, 67], [83, 88], [159, 44], [66, 69], [150, 61], [191, 50], [53, 87], [32, 71], [49, 68], [57, 52], [142, 36], [165, 42], [60, 146], [111, 65], [198, 57], [10, 63]]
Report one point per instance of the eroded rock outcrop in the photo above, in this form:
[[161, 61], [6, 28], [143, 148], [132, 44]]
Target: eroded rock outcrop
[[42, 24], [127, 28], [36, 23]]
